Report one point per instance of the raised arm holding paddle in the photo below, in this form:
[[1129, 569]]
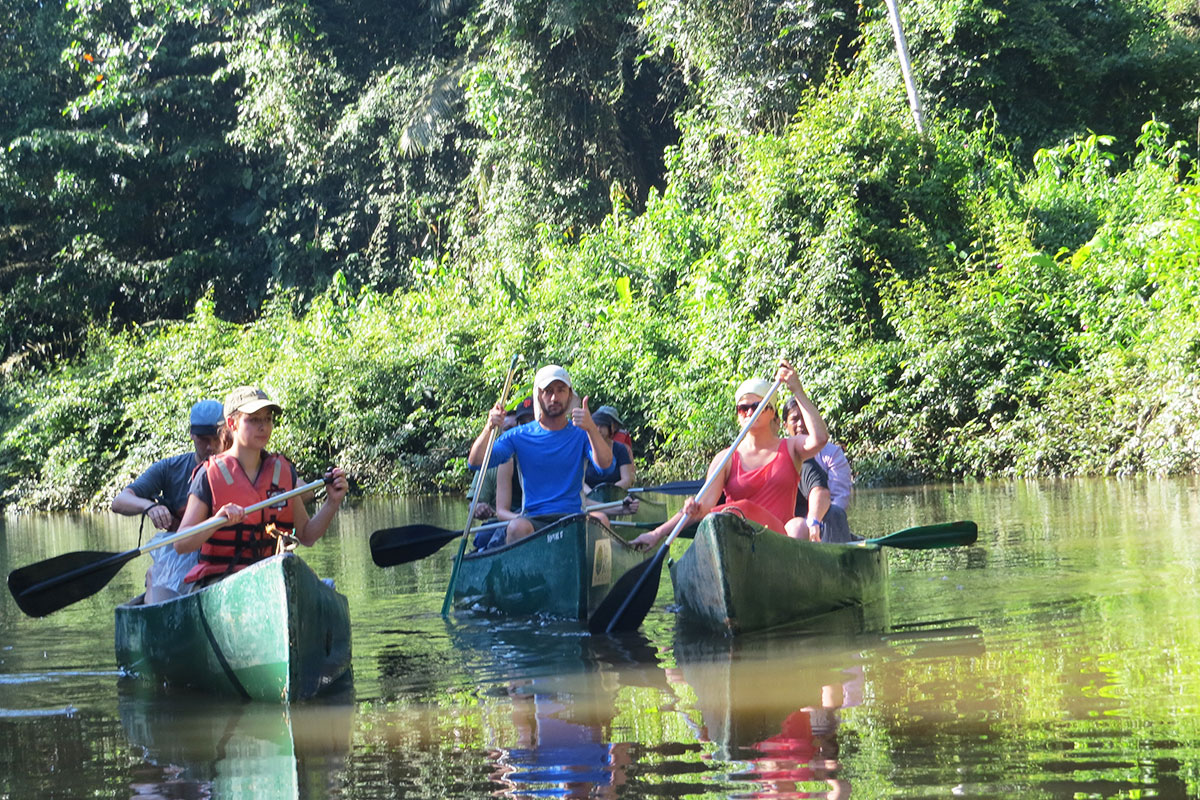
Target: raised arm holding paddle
[[551, 451]]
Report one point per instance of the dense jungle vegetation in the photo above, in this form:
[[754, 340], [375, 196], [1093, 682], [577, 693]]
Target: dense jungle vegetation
[[369, 207]]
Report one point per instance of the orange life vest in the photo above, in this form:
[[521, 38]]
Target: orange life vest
[[238, 546]]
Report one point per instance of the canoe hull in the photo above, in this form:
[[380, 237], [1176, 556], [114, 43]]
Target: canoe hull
[[563, 571], [273, 632], [738, 577]]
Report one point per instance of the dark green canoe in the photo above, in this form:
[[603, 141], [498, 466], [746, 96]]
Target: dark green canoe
[[274, 632], [738, 577], [563, 570]]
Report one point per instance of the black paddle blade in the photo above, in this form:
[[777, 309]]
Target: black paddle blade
[[408, 543], [55, 583], [931, 537], [629, 600]]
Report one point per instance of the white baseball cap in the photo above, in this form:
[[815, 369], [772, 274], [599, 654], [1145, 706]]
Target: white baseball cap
[[756, 386], [548, 375]]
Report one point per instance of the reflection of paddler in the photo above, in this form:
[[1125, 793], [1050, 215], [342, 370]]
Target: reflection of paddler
[[771, 702], [804, 751], [562, 741]]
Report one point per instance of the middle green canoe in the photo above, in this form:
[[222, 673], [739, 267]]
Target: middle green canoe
[[739, 577], [563, 570]]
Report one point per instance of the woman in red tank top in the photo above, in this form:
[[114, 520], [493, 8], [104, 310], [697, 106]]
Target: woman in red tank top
[[760, 477]]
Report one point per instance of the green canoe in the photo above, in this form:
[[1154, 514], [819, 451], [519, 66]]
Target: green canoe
[[274, 632], [739, 577], [563, 570]]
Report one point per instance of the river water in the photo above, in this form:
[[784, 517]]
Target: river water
[[1055, 658]]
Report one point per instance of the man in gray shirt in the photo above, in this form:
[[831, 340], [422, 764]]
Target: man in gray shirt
[[160, 494]]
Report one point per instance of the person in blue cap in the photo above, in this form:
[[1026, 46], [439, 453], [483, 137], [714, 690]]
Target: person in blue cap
[[160, 495]]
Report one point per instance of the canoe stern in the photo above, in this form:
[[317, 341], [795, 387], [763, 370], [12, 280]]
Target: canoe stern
[[738, 577]]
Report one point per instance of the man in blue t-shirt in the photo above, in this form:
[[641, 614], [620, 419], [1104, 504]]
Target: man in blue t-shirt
[[551, 451]]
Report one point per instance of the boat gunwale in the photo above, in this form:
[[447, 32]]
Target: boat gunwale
[[541, 533], [279, 558]]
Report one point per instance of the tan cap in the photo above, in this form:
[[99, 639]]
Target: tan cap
[[248, 399]]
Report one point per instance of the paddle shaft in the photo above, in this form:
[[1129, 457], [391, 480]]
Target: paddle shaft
[[487, 456], [656, 563], [129, 555], [675, 487]]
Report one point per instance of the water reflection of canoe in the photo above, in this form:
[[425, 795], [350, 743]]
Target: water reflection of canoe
[[273, 632], [738, 577], [563, 570], [195, 746], [549, 701]]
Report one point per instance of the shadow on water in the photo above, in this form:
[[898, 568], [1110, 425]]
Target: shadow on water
[[195, 746]]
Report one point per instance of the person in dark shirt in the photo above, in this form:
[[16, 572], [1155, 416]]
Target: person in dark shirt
[[160, 495], [622, 471]]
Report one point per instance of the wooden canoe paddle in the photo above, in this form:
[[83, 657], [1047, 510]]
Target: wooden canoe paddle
[[487, 456]]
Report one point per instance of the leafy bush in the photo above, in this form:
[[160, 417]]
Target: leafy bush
[[369, 215]]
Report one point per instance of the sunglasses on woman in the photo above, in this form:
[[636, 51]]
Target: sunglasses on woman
[[747, 408]]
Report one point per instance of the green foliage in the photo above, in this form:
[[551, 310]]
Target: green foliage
[[754, 61], [368, 208]]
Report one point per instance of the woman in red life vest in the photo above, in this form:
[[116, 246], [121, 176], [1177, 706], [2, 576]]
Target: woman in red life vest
[[760, 478], [241, 476]]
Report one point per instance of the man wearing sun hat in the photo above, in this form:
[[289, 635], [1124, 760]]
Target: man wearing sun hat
[[160, 495], [622, 471], [550, 453]]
